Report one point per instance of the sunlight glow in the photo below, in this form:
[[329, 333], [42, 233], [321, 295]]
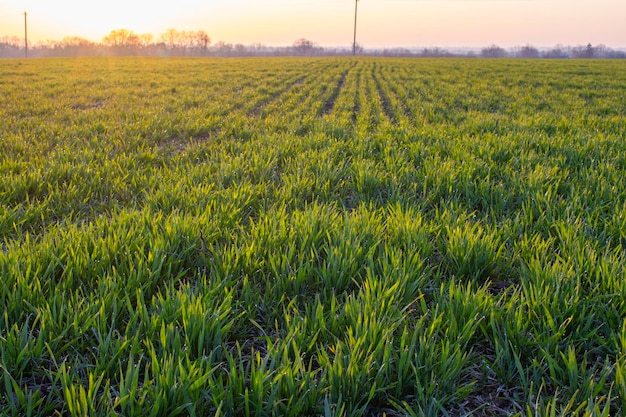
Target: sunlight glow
[[382, 23]]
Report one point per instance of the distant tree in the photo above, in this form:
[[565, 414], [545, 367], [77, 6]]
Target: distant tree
[[528, 51], [171, 38], [185, 42], [583, 51], [51, 48], [121, 38], [493, 51], [76, 46], [122, 41], [10, 46], [70, 41], [240, 49], [11, 40], [258, 49], [304, 46], [222, 48], [396, 52], [613, 54], [601, 51], [146, 39], [202, 41], [435, 52], [558, 52]]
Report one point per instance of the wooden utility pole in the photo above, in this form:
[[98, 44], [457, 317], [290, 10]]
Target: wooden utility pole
[[356, 6], [25, 37]]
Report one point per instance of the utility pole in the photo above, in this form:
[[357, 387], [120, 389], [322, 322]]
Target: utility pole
[[25, 37], [356, 6]]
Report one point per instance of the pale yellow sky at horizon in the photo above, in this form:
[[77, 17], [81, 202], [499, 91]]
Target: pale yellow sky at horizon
[[382, 23]]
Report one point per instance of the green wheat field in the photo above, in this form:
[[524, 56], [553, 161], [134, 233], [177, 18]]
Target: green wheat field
[[312, 237]]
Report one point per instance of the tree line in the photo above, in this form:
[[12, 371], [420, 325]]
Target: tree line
[[118, 42], [172, 42], [526, 52]]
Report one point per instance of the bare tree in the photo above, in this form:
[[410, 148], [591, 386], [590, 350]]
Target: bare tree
[[223, 49], [584, 51], [122, 41], [10, 46], [76, 46], [558, 52], [170, 38], [202, 41], [146, 39], [433, 52], [528, 51], [493, 51], [304, 46], [185, 41]]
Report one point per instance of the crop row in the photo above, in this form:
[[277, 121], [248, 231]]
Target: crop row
[[312, 237]]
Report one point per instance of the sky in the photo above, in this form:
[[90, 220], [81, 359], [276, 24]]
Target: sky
[[381, 23]]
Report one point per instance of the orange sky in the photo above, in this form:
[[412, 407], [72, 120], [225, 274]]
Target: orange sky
[[382, 23]]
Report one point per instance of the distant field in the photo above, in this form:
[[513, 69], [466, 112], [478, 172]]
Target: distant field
[[338, 237]]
